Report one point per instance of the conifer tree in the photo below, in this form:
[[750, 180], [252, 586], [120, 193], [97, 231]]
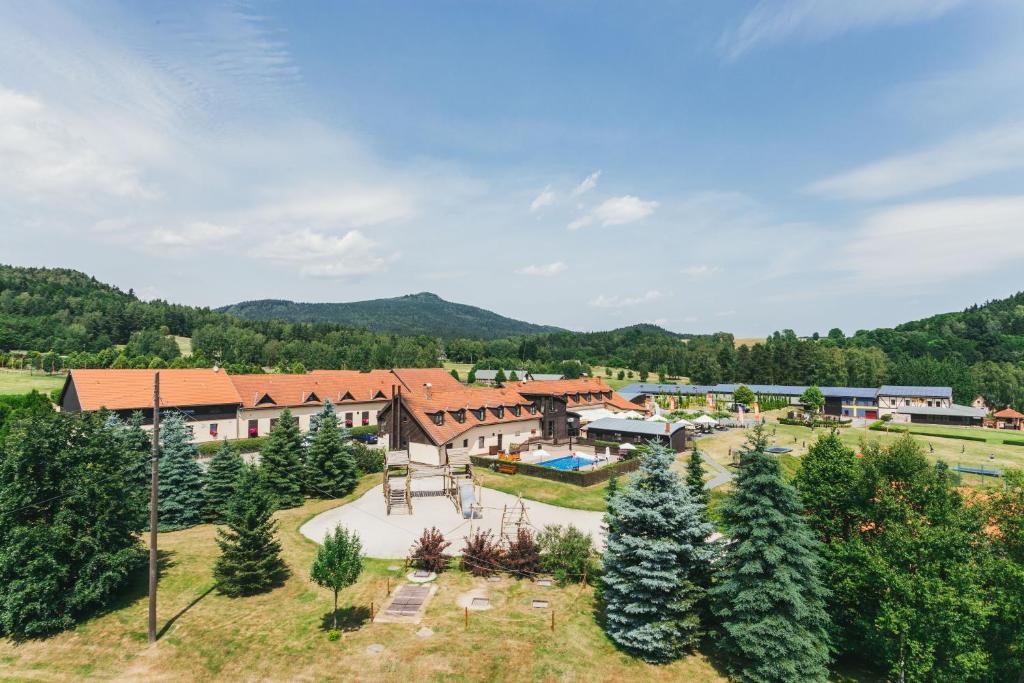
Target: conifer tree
[[500, 377], [221, 483], [455, 374], [181, 478], [250, 560], [768, 596], [281, 462], [695, 478], [330, 459], [137, 442], [657, 549]]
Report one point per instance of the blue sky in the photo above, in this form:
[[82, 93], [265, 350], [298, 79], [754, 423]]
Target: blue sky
[[738, 166]]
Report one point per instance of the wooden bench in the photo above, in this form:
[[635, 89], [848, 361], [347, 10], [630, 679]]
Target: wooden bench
[[507, 468]]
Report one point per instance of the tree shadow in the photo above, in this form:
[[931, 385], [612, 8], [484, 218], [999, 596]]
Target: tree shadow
[[137, 585], [170, 622], [350, 618]]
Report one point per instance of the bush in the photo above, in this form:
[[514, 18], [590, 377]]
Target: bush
[[1013, 442], [252, 445], [566, 553], [481, 556], [428, 552], [333, 635], [368, 460], [522, 557], [881, 427]]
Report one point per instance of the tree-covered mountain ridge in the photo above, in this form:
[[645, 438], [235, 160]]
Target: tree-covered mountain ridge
[[423, 313]]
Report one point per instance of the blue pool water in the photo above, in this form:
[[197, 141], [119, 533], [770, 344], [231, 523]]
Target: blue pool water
[[568, 462]]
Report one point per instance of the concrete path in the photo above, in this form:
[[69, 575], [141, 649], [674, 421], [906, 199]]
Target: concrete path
[[723, 476], [391, 536]]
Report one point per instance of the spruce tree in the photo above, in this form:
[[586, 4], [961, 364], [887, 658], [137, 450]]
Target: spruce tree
[[768, 595], [695, 478], [330, 459], [281, 462], [134, 438], [221, 483], [657, 551], [250, 560], [181, 478]]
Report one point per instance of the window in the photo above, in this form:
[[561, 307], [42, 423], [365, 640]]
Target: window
[[265, 400], [439, 418], [460, 416], [213, 429], [479, 413], [254, 428], [190, 431], [366, 417], [532, 408], [312, 398], [273, 423], [347, 396], [516, 410], [499, 412], [465, 443], [480, 442], [348, 419]]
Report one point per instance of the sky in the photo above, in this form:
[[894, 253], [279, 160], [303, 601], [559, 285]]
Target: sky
[[706, 166]]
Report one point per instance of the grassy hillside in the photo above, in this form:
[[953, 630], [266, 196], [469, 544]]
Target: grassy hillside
[[412, 314]]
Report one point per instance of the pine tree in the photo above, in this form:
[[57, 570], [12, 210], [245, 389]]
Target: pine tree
[[135, 439], [181, 478], [657, 550], [768, 596], [338, 563], [221, 483], [250, 560], [281, 462], [330, 459], [695, 478]]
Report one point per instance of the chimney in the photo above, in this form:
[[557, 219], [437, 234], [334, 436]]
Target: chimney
[[668, 427], [426, 390]]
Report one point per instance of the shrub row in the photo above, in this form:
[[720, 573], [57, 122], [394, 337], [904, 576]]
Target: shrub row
[[1013, 442], [883, 427], [250, 445], [817, 423], [566, 477]]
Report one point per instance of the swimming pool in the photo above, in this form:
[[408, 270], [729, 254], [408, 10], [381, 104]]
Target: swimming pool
[[567, 462]]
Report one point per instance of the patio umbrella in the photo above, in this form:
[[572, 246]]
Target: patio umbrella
[[541, 453], [626, 447], [657, 418], [705, 420], [684, 423]]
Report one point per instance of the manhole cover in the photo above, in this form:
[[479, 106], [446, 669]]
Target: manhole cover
[[540, 604], [421, 573], [544, 582], [480, 602], [425, 632]]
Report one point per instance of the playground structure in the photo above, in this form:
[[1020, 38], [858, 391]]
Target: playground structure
[[455, 477]]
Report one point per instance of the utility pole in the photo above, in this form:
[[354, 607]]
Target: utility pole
[[153, 508]]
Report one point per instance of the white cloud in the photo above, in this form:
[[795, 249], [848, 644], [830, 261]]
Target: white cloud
[[45, 155], [956, 160], [346, 204], [324, 255], [588, 184], [545, 270], [775, 21], [698, 272], [932, 242], [545, 198], [725, 314], [192, 235], [616, 211], [616, 301]]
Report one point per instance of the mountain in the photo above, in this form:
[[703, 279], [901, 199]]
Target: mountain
[[412, 314]]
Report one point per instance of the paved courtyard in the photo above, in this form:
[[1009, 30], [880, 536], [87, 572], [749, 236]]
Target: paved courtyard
[[385, 536]]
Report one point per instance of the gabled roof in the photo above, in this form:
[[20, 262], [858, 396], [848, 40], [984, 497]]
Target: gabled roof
[[624, 426], [569, 388], [133, 389], [469, 399], [954, 410], [927, 392], [338, 386], [414, 379], [1008, 413]]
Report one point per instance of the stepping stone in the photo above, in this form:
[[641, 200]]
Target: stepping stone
[[480, 603], [541, 604], [375, 649], [544, 582], [421, 573], [425, 632]]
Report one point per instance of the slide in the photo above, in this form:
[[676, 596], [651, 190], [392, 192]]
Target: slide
[[468, 497]]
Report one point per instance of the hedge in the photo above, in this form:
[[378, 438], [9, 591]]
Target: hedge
[[566, 477], [1013, 442], [882, 427], [817, 423], [250, 445]]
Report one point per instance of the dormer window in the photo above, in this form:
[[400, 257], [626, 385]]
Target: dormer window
[[587, 397], [515, 410], [379, 394], [439, 418], [499, 412], [479, 413], [576, 397], [347, 396], [312, 398], [532, 408], [460, 416], [265, 400]]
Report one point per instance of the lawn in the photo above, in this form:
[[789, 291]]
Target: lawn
[[994, 436], [184, 345], [545, 491], [23, 381], [280, 635]]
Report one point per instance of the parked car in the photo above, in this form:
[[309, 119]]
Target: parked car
[[735, 407], [370, 439]]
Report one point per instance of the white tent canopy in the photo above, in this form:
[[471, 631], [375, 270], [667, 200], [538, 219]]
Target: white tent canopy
[[629, 415], [626, 447], [705, 420], [683, 423], [657, 418]]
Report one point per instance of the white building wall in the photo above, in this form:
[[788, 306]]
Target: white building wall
[[303, 414], [512, 432]]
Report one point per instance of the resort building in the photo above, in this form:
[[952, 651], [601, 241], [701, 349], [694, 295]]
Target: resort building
[[206, 398], [620, 430], [891, 398], [1008, 418], [490, 377], [566, 404], [954, 414]]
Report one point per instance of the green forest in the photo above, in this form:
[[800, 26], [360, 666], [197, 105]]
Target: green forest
[[67, 319]]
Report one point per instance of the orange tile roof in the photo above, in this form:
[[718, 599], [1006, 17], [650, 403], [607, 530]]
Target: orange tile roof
[[295, 390], [1009, 413], [568, 388], [133, 389], [469, 399], [415, 378]]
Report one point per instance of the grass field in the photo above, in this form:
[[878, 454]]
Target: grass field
[[184, 345], [994, 436], [22, 381], [280, 635], [546, 491]]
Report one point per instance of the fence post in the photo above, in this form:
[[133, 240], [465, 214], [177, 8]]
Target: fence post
[[552, 620], [371, 611], [389, 585], [467, 616]]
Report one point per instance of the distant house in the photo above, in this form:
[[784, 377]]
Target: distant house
[[891, 398], [544, 377], [1008, 418], [621, 430], [490, 377], [979, 402], [953, 414], [566, 403]]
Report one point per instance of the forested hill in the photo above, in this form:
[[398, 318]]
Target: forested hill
[[412, 314]]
